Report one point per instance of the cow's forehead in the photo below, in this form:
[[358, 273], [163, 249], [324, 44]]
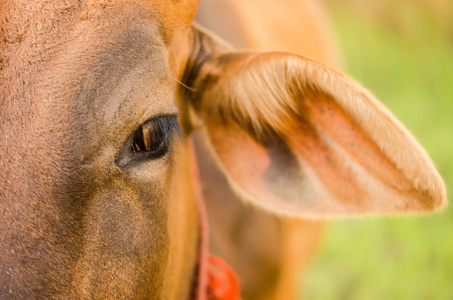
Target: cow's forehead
[[86, 37], [19, 18], [35, 30]]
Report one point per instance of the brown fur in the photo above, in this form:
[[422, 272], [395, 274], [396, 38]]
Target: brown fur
[[74, 85], [80, 77]]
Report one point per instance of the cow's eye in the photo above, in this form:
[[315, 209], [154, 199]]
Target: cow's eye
[[151, 140], [150, 137]]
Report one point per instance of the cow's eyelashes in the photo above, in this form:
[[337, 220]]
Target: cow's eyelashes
[[151, 137], [152, 140]]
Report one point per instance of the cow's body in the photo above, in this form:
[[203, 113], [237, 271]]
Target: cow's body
[[96, 182], [268, 252]]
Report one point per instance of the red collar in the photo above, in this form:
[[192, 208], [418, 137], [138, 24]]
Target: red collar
[[216, 280]]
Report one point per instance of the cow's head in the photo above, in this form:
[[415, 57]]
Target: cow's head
[[97, 101]]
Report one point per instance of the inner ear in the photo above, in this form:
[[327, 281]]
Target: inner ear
[[298, 138]]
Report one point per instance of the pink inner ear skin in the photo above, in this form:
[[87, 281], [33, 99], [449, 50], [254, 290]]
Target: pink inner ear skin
[[351, 145], [324, 164], [248, 165], [308, 141], [244, 158]]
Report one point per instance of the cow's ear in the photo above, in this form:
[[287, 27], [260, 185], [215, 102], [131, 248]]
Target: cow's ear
[[298, 138]]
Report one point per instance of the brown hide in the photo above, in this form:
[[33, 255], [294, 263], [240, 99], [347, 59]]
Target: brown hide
[[77, 78]]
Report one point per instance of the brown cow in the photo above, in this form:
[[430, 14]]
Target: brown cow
[[96, 185]]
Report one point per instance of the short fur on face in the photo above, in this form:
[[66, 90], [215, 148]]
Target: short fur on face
[[77, 79]]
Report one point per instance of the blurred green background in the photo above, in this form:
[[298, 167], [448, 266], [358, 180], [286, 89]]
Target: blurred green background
[[403, 52]]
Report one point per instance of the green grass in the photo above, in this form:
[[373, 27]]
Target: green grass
[[398, 257]]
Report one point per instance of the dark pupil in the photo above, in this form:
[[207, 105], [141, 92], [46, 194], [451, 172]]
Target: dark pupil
[[149, 137]]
